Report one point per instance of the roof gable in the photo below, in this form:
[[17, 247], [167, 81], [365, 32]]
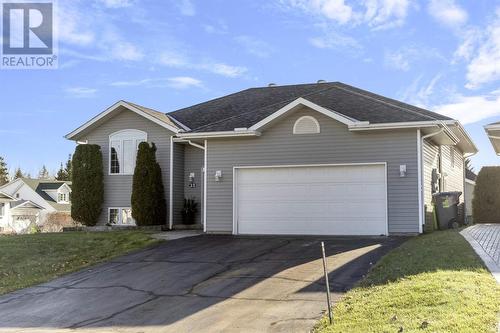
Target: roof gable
[[155, 116]]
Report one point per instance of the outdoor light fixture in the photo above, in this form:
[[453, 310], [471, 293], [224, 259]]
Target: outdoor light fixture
[[191, 177], [402, 170], [218, 175]]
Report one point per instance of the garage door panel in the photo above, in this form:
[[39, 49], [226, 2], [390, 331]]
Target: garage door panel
[[335, 200]]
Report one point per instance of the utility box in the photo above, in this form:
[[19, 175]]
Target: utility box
[[446, 205]]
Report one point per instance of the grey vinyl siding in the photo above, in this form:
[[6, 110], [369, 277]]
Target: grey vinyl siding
[[430, 157], [453, 175], [194, 162], [334, 144], [178, 182], [118, 188]]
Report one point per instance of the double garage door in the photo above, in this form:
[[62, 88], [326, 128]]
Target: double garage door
[[311, 200]]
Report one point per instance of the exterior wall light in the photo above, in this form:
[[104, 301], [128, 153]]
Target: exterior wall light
[[402, 170], [218, 175]]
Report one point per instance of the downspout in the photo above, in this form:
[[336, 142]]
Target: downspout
[[170, 185], [420, 144]]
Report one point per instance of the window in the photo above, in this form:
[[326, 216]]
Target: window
[[17, 195], [123, 147], [62, 197], [306, 125], [120, 216], [2, 210]]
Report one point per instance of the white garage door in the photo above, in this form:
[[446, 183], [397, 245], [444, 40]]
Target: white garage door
[[313, 200]]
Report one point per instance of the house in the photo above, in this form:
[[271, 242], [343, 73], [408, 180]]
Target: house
[[310, 159], [25, 201], [493, 132]]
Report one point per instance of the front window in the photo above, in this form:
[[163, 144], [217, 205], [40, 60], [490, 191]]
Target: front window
[[121, 216], [62, 197], [123, 147], [2, 209]]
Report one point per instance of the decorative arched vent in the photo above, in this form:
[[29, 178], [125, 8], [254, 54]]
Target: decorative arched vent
[[306, 125]]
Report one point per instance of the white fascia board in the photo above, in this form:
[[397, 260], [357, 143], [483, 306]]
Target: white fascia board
[[413, 124], [221, 134], [469, 181], [7, 195], [302, 101], [113, 108], [492, 127]]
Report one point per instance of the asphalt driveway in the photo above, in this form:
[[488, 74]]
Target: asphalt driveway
[[199, 284]]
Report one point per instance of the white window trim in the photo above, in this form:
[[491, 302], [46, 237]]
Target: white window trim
[[66, 197], [119, 216], [303, 118], [121, 140]]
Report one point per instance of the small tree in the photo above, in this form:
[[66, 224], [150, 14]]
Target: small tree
[[61, 174], [68, 169], [4, 174], [88, 187], [486, 202], [43, 173], [148, 194], [18, 173]]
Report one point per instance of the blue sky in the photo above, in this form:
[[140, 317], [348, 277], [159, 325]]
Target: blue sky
[[443, 55]]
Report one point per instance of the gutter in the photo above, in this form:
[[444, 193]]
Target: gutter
[[221, 134]]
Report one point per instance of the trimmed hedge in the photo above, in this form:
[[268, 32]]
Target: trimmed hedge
[[486, 202], [87, 184], [148, 195]]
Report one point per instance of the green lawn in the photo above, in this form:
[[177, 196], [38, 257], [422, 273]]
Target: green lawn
[[26, 260], [432, 283]]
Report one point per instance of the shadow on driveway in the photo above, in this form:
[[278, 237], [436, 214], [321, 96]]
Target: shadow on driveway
[[206, 283]]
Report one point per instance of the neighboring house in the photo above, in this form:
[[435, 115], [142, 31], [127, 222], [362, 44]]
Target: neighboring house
[[25, 201], [323, 158], [470, 184], [493, 132]]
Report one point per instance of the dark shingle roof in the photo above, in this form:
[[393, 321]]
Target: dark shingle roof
[[469, 174], [247, 107]]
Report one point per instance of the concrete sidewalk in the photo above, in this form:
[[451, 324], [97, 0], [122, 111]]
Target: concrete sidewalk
[[485, 240]]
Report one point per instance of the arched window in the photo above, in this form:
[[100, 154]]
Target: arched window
[[123, 150], [306, 125]]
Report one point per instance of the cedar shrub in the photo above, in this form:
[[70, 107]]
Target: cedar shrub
[[486, 202], [148, 194], [88, 187]]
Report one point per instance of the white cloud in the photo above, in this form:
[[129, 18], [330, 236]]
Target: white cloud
[[117, 3], [470, 40], [183, 82], [179, 60], [225, 70], [385, 14], [95, 38], [403, 58], [447, 12], [255, 46], [471, 109], [397, 60], [420, 94], [80, 92], [484, 66], [378, 14], [334, 40], [178, 82], [72, 28], [187, 7], [219, 28]]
